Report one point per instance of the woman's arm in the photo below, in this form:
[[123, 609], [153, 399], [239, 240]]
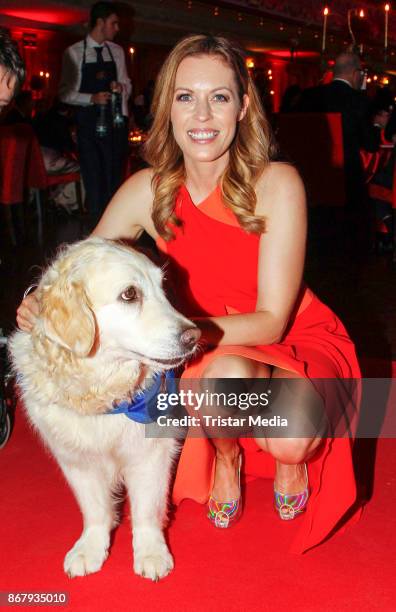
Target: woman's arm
[[129, 211], [281, 199]]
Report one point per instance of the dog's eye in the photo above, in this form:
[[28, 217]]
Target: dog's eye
[[129, 295]]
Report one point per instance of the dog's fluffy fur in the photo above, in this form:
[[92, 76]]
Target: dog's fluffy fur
[[104, 327]]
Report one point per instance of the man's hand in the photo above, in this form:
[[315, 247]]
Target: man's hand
[[102, 97]]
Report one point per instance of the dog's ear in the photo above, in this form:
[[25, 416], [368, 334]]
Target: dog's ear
[[68, 318]]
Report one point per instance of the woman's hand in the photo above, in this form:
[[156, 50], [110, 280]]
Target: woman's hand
[[27, 312]]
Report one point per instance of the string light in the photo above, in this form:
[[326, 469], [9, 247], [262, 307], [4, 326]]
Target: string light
[[216, 11], [41, 73], [240, 18], [249, 62], [361, 13], [269, 71], [47, 74], [281, 27], [131, 50], [375, 78], [272, 92], [261, 22]]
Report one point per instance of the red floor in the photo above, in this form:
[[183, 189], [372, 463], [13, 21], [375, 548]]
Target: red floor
[[244, 567]]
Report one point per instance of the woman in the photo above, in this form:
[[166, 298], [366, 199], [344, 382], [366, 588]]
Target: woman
[[233, 225]]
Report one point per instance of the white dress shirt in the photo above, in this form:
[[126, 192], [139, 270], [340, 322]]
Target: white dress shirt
[[70, 81]]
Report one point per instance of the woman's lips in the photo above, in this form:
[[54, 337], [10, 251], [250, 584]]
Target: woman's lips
[[203, 136]]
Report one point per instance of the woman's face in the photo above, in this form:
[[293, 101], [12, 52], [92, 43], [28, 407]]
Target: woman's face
[[205, 108]]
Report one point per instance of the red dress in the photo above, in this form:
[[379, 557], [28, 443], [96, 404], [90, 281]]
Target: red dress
[[214, 264]]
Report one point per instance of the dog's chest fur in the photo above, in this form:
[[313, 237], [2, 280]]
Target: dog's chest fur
[[49, 401]]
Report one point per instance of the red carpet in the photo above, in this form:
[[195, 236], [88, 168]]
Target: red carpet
[[243, 568]]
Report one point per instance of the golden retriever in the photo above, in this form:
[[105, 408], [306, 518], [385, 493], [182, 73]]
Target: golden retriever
[[105, 327]]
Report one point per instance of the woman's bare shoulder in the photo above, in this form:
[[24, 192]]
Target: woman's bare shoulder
[[138, 183], [279, 184], [276, 172]]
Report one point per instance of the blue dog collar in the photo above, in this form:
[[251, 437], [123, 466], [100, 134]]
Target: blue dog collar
[[143, 408]]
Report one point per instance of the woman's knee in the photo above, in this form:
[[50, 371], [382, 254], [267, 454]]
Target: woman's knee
[[292, 450], [234, 366]]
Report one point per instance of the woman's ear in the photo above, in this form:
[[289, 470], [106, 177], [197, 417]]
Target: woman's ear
[[245, 104]]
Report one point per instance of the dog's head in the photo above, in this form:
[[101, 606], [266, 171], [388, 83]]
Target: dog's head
[[101, 296]]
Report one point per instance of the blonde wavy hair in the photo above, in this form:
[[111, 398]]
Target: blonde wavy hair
[[250, 151]]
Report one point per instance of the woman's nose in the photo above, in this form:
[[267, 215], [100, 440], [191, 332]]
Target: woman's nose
[[202, 110]]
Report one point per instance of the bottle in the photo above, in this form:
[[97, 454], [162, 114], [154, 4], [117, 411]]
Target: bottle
[[116, 108], [101, 123]]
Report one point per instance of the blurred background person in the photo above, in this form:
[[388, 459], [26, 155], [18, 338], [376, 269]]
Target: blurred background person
[[92, 69], [12, 69]]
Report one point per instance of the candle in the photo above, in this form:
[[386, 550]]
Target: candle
[[387, 7], [325, 14]]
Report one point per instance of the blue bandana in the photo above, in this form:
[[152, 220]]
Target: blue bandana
[[143, 408]]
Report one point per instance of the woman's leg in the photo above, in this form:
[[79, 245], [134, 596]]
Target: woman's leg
[[297, 401], [225, 486]]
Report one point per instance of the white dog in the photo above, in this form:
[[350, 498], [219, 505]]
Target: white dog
[[104, 328]]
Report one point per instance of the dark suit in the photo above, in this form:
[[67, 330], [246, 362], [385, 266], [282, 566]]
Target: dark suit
[[339, 97]]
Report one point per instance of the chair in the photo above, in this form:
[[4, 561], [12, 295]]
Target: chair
[[21, 168], [379, 192], [14, 167], [314, 142], [41, 181]]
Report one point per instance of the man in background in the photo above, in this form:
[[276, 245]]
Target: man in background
[[344, 95], [92, 69]]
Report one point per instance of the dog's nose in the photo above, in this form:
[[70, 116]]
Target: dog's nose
[[190, 337]]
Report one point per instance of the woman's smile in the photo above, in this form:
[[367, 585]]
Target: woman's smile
[[203, 136]]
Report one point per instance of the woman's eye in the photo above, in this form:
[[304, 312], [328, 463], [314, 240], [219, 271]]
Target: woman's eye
[[184, 97], [129, 295], [220, 98]]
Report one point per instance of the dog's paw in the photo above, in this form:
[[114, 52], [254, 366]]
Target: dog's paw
[[153, 564], [86, 557]]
